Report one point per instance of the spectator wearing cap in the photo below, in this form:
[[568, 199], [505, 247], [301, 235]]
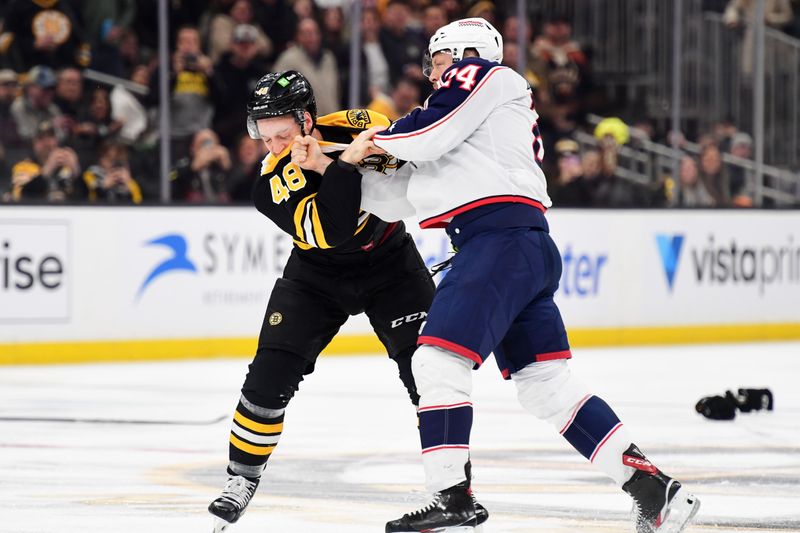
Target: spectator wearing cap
[[611, 190], [235, 77], [49, 174], [223, 27], [316, 63], [40, 32], [35, 104], [109, 180], [106, 22]]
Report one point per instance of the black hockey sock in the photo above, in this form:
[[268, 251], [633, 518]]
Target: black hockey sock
[[253, 439]]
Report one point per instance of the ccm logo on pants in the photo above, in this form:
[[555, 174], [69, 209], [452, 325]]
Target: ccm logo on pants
[[413, 317]]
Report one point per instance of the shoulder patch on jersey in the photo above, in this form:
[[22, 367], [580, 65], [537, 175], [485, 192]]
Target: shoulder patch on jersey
[[358, 118]]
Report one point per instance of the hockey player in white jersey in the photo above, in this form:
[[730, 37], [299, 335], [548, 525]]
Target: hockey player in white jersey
[[474, 154]]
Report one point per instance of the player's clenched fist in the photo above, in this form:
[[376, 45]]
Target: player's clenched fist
[[362, 146], [307, 154]]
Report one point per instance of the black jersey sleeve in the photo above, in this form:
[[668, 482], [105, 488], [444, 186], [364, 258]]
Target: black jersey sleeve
[[338, 203]]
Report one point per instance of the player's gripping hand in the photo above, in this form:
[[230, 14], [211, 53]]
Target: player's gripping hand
[[307, 154], [362, 146]]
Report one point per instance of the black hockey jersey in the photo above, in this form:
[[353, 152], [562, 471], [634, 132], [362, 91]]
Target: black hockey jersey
[[323, 213]]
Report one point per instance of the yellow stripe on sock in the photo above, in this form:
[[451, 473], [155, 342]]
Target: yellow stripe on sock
[[251, 449], [255, 426]]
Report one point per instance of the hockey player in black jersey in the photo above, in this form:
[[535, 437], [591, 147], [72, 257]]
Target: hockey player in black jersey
[[344, 262]]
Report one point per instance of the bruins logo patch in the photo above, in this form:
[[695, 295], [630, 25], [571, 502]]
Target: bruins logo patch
[[359, 118], [275, 319]]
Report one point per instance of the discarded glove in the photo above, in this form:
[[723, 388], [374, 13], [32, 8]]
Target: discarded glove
[[717, 407], [724, 407]]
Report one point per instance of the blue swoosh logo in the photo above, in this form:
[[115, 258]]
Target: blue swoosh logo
[[669, 246], [178, 261]]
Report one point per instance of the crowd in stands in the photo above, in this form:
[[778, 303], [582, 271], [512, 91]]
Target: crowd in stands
[[66, 135]]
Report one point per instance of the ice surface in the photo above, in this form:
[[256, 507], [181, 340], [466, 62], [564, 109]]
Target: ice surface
[[349, 461]]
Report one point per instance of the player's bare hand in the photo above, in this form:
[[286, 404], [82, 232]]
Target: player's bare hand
[[307, 154], [362, 146]]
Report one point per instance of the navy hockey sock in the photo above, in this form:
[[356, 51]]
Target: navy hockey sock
[[591, 425]]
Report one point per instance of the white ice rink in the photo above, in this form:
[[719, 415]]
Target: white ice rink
[[348, 459]]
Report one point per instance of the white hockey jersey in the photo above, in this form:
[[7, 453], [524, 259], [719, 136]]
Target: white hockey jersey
[[475, 143]]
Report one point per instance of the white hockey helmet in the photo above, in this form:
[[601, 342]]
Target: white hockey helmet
[[461, 34]]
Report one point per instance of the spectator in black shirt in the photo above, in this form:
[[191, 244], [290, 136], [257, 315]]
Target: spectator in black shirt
[[201, 177], [402, 46], [49, 174], [236, 75], [45, 33], [69, 97]]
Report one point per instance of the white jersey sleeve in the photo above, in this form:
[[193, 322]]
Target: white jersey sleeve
[[470, 90], [385, 195]]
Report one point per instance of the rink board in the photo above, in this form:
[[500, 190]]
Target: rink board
[[82, 284]]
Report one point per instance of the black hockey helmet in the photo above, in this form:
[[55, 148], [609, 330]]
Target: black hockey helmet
[[281, 93]]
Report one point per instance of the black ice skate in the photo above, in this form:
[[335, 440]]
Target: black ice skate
[[660, 504], [481, 515], [233, 501], [451, 510]]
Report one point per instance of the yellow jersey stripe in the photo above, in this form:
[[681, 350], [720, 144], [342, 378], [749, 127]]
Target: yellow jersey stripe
[[251, 449], [362, 226], [319, 234], [256, 426], [298, 217]]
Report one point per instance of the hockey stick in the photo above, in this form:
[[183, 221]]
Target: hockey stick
[[113, 421]]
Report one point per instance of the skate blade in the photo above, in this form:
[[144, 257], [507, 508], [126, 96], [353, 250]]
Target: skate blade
[[681, 511], [220, 525], [452, 529]]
